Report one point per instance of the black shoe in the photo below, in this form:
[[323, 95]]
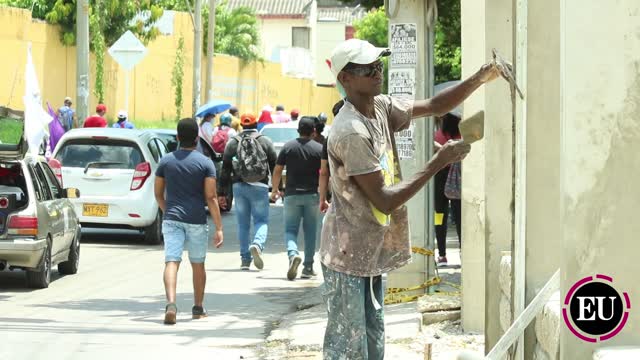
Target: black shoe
[[245, 265], [170, 313], [308, 273], [198, 312], [294, 262]]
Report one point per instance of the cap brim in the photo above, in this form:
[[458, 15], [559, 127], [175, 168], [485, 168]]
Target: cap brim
[[367, 57]]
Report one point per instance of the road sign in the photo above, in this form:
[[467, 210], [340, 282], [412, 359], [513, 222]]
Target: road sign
[[128, 51]]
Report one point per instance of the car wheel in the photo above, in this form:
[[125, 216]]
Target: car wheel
[[153, 232], [41, 277], [70, 266]]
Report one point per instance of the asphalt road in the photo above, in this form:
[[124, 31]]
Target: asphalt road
[[113, 308]]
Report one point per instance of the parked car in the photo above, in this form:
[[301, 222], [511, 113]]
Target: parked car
[[39, 227], [114, 169], [170, 138]]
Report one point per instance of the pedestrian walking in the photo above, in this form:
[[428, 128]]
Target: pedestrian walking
[[66, 115], [301, 158], [366, 230], [325, 173], [447, 130], [235, 119], [97, 120], [280, 116], [207, 126], [189, 180], [247, 161], [123, 121], [222, 133], [321, 122], [294, 114], [265, 119]]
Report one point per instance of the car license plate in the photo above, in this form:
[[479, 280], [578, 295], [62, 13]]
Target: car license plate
[[100, 210]]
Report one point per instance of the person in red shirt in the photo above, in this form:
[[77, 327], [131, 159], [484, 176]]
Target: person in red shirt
[[447, 130], [98, 119]]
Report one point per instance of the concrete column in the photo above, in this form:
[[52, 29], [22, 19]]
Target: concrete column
[[421, 269], [600, 166], [544, 228], [498, 164], [473, 173]]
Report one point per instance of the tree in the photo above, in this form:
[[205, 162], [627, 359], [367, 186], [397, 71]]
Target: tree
[[236, 30], [115, 17], [447, 52], [373, 28]]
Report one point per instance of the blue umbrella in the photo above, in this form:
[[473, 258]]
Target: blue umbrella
[[213, 107]]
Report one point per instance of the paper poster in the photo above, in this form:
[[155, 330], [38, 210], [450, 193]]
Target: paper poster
[[404, 45], [402, 83], [405, 144]]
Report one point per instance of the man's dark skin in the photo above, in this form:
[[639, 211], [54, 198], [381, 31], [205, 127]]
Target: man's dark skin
[[361, 91]]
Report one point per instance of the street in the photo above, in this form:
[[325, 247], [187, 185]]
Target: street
[[114, 306]]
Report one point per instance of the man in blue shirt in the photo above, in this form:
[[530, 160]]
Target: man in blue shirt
[[123, 121], [67, 115], [189, 180]]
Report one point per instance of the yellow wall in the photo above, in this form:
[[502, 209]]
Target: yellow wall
[[249, 86]]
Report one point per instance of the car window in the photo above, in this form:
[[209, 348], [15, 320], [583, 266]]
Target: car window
[[36, 184], [118, 154], [280, 135], [153, 147], [163, 149], [44, 188], [52, 181]]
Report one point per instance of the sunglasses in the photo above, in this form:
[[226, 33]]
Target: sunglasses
[[370, 70]]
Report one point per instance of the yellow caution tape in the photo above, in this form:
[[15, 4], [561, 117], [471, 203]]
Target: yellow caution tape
[[422, 251]]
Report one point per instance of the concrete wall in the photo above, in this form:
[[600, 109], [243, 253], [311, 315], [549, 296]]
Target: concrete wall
[[543, 224], [249, 85], [600, 166], [330, 33], [498, 164], [473, 175]]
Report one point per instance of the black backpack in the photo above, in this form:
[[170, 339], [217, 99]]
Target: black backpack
[[251, 163]]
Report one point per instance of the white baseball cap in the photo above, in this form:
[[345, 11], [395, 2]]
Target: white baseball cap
[[355, 51], [122, 114]]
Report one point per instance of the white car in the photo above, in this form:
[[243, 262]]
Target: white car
[[281, 133], [114, 169]]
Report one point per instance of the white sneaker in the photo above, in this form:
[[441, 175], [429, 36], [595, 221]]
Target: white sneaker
[[257, 256]]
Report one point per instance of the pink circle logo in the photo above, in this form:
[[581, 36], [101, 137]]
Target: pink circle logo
[[594, 310]]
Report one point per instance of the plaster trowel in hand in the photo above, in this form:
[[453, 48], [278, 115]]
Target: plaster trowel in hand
[[506, 71], [472, 128]]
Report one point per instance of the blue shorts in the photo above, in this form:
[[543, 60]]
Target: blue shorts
[[179, 235]]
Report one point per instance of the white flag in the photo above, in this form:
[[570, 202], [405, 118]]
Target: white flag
[[36, 120]]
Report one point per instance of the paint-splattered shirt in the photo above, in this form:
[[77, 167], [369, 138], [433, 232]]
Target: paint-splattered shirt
[[358, 239]]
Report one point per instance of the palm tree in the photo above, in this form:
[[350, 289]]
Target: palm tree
[[236, 32]]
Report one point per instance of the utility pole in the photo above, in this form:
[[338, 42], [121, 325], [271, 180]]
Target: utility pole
[[210, 38], [82, 60], [197, 55]]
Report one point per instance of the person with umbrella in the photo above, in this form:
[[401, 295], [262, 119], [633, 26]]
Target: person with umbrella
[[208, 113]]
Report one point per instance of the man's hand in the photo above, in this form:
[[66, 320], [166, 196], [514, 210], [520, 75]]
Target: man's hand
[[275, 195], [489, 72], [218, 239], [324, 205], [222, 202], [452, 151]]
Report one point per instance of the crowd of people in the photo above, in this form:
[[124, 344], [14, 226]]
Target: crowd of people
[[67, 117]]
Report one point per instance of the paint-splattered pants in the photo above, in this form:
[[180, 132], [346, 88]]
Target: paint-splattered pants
[[355, 329]]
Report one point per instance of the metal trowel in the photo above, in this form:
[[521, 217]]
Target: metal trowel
[[472, 128]]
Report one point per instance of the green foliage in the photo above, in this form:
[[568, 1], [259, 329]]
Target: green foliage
[[98, 41], [115, 17], [447, 52], [374, 27], [177, 74], [10, 130], [236, 30]]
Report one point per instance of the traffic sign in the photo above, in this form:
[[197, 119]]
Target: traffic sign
[[128, 51]]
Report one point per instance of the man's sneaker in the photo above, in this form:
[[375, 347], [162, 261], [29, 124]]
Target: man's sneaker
[[257, 256], [170, 314], [294, 262], [245, 264], [308, 273], [198, 312], [442, 261]]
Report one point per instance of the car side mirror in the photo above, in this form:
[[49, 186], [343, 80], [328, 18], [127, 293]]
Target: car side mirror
[[71, 193]]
